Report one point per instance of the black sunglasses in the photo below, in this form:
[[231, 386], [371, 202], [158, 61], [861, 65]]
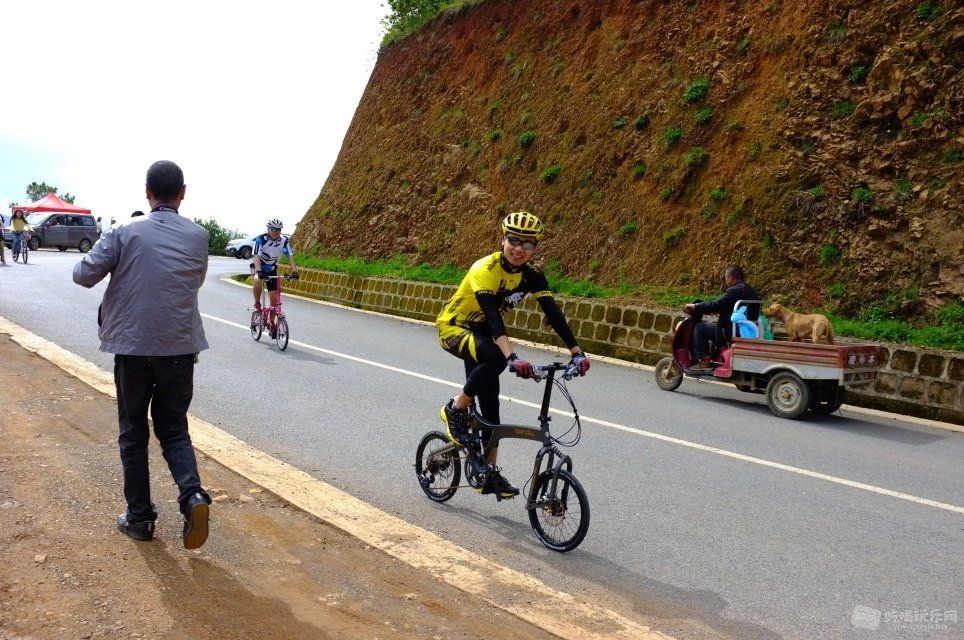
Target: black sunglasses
[[528, 245]]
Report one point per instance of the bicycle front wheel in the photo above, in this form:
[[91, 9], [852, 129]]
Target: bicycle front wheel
[[257, 327], [23, 253], [560, 520], [281, 333], [437, 466]]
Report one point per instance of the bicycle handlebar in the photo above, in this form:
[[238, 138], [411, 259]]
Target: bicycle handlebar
[[540, 372]]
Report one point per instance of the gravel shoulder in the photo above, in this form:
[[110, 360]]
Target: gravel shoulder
[[268, 570]]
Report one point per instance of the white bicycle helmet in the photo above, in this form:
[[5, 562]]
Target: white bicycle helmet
[[274, 223]]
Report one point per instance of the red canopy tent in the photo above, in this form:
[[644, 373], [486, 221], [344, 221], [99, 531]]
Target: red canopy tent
[[49, 202]]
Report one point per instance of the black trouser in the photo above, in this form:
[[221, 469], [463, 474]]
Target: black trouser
[[166, 384], [703, 334]]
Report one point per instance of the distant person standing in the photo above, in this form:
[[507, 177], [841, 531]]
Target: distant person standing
[[100, 228], [151, 323]]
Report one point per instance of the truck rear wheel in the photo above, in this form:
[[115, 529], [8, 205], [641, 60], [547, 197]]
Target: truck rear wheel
[[827, 399], [787, 395]]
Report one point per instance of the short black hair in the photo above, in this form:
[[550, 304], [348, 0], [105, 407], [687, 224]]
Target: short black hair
[[735, 272], [165, 180]]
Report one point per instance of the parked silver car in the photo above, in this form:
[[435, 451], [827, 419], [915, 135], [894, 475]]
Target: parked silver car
[[242, 248]]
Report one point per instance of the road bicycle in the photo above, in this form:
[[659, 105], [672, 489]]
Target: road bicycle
[[271, 317], [557, 504]]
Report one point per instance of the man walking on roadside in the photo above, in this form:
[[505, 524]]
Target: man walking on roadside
[[151, 323]]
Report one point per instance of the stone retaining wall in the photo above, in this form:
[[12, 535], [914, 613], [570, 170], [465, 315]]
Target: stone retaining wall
[[923, 382]]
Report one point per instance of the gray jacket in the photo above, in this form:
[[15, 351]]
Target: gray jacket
[[157, 264]]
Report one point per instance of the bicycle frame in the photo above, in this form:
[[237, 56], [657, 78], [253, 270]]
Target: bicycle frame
[[267, 310], [522, 432]]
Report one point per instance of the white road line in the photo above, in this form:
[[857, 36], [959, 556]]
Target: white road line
[[648, 434]]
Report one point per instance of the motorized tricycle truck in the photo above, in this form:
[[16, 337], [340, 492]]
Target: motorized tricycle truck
[[795, 376]]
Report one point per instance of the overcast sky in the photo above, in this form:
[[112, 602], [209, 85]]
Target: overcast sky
[[251, 99]]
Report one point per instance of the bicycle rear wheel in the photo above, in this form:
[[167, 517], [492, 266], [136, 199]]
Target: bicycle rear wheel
[[437, 466], [257, 327], [561, 520], [281, 333]]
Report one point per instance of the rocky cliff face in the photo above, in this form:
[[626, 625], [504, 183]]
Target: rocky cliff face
[[820, 144]]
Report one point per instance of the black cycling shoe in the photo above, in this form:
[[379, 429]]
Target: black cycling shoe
[[456, 423], [499, 485], [143, 531]]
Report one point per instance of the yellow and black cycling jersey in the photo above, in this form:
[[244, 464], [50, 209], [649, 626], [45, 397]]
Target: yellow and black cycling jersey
[[491, 288], [491, 275]]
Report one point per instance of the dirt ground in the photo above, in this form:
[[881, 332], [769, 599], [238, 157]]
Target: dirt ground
[[267, 571]]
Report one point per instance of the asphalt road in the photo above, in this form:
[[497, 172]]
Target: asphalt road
[[710, 517]]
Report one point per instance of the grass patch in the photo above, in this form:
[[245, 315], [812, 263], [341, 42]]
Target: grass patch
[[629, 228], [842, 110], [743, 45], [493, 135], [694, 157], [619, 122], [753, 151], [836, 31], [672, 135], [551, 173], [642, 121], [696, 91], [952, 156], [638, 170], [736, 125], [943, 329], [862, 195], [665, 194], [672, 237], [704, 115], [396, 267], [718, 194], [816, 192], [829, 254], [526, 138], [929, 10], [858, 73], [904, 190]]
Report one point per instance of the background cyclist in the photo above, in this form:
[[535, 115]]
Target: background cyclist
[[18, 225], [471, 328], [268, 247]]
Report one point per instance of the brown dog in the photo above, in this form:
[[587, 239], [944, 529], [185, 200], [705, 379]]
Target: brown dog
[[801, 325]]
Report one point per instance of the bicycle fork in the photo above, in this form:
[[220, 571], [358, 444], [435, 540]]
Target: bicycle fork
[[551, 464]]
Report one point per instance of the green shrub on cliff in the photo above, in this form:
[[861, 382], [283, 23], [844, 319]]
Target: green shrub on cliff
[[407, 16]]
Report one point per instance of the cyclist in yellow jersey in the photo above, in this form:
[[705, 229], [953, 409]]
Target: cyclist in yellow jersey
[[471, 328]]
